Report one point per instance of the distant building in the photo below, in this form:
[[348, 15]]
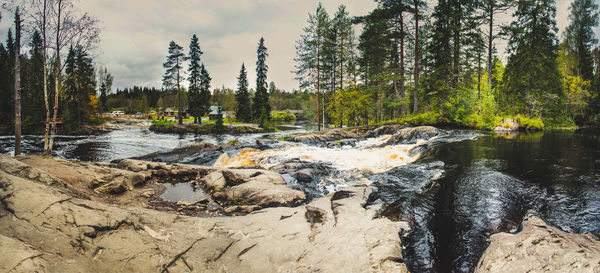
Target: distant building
[[169, 112], [214, 112]]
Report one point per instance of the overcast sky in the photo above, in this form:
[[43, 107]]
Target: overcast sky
[[136, 34]]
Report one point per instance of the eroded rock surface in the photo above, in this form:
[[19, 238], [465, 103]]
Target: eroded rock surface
[[541, 248], [412, 134], [44, 229]]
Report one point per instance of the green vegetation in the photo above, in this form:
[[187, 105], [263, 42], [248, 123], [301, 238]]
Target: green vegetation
[[279, 116]]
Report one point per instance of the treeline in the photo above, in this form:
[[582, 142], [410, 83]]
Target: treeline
[[55, 81], [441, 64]]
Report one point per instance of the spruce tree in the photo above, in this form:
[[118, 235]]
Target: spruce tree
[[195, 101], [532, 81], [106, 81], [243, 111], [580, 36], [172, 77], [261, 107], [204, 98]]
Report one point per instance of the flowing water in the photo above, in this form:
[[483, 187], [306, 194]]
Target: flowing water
[[454, 190]]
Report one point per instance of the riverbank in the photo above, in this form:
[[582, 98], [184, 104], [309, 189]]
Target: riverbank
[[205, 128], [103, 125]]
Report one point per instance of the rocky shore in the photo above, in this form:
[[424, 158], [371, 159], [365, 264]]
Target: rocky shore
[[73, 216], [205, 128], [70, 216]]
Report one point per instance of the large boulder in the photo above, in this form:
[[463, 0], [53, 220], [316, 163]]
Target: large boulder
[[541, 248], [411, 135]]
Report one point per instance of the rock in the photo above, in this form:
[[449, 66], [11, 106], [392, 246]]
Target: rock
[[221, 161], [508, 125], [333, 134], [197, 153], [265, 142], [258, 187], [82, 175], [541, 248], [45, 230], [411, 135], [384, 130], [304, 175]]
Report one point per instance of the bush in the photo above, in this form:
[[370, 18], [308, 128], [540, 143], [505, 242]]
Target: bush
[[282, 116]]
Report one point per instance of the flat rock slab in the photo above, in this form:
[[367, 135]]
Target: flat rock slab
[[541, 248], [42, 229]]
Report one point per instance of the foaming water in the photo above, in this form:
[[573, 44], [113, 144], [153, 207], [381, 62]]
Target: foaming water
[[364, 156]]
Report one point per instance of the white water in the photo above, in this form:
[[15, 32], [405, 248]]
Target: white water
[[365, 156]]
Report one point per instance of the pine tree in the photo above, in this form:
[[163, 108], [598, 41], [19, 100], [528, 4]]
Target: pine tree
[[490, 8], [106, 81], [580, 36], [195, 101], [261, 107], [532, 45], [204, 98], [310, 55], [79, 87], [172, 77], [243, 111], [343, 44]]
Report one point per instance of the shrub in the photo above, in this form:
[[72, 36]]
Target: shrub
[[282, 116]]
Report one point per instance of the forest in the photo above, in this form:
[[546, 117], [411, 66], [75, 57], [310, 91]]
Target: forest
[[402, 62]]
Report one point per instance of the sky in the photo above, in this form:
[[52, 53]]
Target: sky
[[136, 34]]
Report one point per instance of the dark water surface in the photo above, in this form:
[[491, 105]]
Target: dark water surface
[[488, 185]]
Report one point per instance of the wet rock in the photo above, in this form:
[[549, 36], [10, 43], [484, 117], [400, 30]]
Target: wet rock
[[384, 130], [304, 175], [411, 135], [333, 134], [508, 125], [265, 142], [541, 248]]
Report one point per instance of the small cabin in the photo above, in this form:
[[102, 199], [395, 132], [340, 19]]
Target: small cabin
[[213, 113]]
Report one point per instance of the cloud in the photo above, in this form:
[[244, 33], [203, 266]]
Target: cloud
[[136, 34]]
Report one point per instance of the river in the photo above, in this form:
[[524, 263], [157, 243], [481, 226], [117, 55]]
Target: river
[[455, 193]]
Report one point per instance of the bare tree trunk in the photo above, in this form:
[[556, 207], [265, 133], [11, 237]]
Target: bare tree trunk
[[416, 94], [17, 86], [318, 88], [56, 78], [479, 78], [179, 106], [45, 78], [402, 92], [490, 40]]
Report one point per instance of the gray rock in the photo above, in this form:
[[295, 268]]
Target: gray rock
[[304, 175], [265, 142], [541, 248], [411, 135]]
